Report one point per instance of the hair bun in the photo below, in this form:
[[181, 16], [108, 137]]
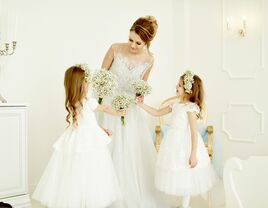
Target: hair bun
[[152, 20], [146, 28]]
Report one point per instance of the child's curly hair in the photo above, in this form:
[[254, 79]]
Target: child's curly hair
[[74, 83]]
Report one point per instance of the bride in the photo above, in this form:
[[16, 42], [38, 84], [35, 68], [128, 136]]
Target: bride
[[133, 151]]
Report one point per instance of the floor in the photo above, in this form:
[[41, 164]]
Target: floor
[[216, 196]]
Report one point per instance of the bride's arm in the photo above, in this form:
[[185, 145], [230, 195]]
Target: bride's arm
[[146, 74], [108, 59], [147, 71], [154, 111]]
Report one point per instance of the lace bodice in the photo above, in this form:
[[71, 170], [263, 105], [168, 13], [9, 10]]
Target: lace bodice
[[127, 72]]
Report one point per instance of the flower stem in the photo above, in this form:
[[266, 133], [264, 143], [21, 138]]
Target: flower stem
[[100, 100], [123, 120]]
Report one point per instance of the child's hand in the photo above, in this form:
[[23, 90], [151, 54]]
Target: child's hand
[[121, 112], [108, 132], [139, 99], [192, 161]]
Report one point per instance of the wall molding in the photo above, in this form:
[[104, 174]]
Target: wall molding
[[257, 112]]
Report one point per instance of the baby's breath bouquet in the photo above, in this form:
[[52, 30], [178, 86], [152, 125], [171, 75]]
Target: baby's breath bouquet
[[122, 102], [103, 83], [141, 87]]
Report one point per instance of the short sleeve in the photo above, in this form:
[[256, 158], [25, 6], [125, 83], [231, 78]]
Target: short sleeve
[[171, 106], [193, 108], [93, 104]]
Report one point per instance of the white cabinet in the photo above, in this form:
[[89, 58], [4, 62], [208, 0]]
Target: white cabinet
[[13, 155]]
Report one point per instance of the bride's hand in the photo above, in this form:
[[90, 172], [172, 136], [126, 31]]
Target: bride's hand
[[121, 112]]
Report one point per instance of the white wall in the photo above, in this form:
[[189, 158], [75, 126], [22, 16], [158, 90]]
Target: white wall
[[56, 34], [53, 35], [236, 100]]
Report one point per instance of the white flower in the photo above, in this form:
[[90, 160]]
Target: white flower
[[122, 102], [188, 81], [103, 83], [85, 68], [141, 87]]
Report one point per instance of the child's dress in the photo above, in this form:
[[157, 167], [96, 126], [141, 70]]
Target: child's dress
[[173, 173], [80, 173]]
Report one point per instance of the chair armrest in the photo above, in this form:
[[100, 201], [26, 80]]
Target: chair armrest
[[157, 137], [210, 138]]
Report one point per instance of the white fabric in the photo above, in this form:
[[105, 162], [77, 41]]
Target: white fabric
[[173, 173], [185, 201], [80, 173], [132, 148]]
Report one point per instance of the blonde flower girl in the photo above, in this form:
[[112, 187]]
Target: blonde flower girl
[[80, 173], [183, 167]]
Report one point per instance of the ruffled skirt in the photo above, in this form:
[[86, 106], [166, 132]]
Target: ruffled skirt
[[78, 175], [173, 173]]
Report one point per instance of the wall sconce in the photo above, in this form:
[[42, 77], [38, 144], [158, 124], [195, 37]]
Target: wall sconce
[[228, 24], [8, 19], [8, 29], [6, 51], [242, 31], [242, 27]]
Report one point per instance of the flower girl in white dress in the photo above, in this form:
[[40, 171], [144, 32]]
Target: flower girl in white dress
[[80, 173], [183, 167]]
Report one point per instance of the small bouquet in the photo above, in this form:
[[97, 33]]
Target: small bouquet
[[141, 88], [122, 102], [103, 83]]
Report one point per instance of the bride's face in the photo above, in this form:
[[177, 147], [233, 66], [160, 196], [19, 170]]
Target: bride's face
[[135, 43]]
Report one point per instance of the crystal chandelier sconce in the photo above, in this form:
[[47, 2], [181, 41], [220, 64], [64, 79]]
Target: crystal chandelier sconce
[[7, 51], [241, 28]]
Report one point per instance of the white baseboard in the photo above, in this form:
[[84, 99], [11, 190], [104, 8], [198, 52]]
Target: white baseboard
[[22, 201]]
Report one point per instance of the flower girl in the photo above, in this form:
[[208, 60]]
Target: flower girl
[[183, 167], [80, 173]]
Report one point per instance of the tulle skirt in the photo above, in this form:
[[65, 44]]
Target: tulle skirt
[[134, 158], [173, 173], [77, 177]]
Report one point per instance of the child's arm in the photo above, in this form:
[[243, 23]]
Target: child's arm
[[154, 111], [193, 128], [107, 131], [108, 109]]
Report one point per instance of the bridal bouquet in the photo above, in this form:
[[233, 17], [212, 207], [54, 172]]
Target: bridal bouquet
[[122, 102], [103, 83], [141, 88]]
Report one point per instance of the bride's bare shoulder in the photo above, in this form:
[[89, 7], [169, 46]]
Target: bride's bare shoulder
[[149, 58], [118, 47]]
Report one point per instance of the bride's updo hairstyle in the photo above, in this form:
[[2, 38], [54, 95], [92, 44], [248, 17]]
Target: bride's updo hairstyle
[[146, 28]]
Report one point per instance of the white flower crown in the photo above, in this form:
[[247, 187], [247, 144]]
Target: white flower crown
[[188, 81], [86, 70]]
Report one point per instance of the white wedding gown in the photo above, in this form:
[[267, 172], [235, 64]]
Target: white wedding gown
[[132, 148]]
